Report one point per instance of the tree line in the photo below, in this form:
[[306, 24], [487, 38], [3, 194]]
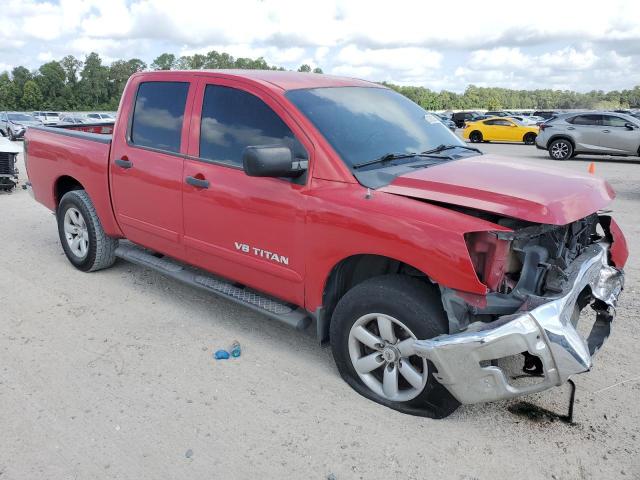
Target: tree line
[[72, 84]]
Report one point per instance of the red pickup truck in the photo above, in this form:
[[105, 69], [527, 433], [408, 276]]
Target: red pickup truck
[[338, 202]]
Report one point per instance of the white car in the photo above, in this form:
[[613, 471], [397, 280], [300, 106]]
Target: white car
[[100, 117], [48, 118]]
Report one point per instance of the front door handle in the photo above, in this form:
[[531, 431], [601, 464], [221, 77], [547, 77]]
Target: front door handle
[[197, 182], [570, 128], [121, 162]]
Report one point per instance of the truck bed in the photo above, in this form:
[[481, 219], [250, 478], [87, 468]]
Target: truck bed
[[54, 155]]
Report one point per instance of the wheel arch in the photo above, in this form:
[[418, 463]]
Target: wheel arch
[[351, 271], [562, 136], [63, 185]]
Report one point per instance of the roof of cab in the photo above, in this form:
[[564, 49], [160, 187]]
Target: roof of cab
[[282, 79]]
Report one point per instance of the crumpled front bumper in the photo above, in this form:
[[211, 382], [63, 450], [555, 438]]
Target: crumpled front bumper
[[542, 327]]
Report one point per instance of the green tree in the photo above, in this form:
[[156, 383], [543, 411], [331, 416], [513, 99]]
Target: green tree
[[9, 98], [493, 104], [51, 81], [119, 73], [32, 96], [93, 87], [317, 70], [165, 61], [71, 66], [304, 68]]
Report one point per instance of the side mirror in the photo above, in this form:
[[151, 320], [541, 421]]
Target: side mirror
[[271, 161], [630, 125]]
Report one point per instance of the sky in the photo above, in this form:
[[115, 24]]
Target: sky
[[577, 45]]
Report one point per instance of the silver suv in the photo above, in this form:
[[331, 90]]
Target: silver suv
[[600, 133]]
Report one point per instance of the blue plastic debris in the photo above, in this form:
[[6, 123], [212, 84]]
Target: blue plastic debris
[[235, 349], [221, 355]]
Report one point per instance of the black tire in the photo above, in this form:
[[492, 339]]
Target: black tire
[[561, 149], [529, 139], [418, 306], [11, 136], [475, 136], [101, 249]]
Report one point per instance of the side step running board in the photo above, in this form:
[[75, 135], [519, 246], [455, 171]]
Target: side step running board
[[283, 312]]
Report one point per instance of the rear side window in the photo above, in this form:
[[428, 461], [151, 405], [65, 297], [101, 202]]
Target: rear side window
[[158, 115], [233, 119], [586, 120]]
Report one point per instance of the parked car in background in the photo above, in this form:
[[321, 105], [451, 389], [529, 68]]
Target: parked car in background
[[8, 170], [100, 117], [48, 118], [446, 121], [546, 114], [73, 119], [421, 259], [600, 133], [522, 119], [14, 124], [497, 113], [500, 129], [459, 118]]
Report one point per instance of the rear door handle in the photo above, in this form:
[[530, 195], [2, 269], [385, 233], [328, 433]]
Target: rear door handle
[[197, 182], [571, 128], [121, 162], [605, 131]]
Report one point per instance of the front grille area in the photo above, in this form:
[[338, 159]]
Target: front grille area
[[7, 163], [544, 252]]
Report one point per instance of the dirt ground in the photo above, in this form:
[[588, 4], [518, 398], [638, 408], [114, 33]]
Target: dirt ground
[[110, 375]]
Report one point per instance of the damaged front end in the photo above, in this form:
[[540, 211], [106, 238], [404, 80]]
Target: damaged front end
[[539, 277]]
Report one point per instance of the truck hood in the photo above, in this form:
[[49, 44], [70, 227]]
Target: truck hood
[[524, 190]]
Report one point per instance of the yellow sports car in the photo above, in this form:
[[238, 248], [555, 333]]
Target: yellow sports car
[[500, 129]]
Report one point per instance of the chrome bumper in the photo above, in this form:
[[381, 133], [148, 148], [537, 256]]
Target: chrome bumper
[[542, 327]]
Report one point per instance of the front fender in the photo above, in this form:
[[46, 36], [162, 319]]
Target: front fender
[[342, 222]]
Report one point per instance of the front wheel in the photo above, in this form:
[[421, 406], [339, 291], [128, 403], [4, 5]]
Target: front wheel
[[372, 330], [561, 149], [12, 137], [529, 139], [83, 239]]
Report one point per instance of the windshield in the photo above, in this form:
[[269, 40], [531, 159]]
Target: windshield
[[20, 117], [365, 123]]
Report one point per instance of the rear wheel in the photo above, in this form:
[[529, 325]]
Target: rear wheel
[[475, 136], [12, 137], [372, 330], [561, 149], [529, 139], [83, 239]]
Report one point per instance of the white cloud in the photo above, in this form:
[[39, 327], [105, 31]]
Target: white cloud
[[436, 44]]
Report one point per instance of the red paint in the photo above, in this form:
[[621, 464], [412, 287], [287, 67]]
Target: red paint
[[619, 249], [315, 225], [527, 191], [489, 256]]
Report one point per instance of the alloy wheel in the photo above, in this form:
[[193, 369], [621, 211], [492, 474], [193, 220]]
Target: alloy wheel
[[381, 352], [76, 233], [560, 150]]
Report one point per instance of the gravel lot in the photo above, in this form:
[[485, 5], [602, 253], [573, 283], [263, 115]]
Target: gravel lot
[[110, 375]]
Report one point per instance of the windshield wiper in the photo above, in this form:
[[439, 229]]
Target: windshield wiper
[[387, 157], [443, 147], [396, 156]]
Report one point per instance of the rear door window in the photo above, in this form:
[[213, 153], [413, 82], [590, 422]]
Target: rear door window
[[158, 115]]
